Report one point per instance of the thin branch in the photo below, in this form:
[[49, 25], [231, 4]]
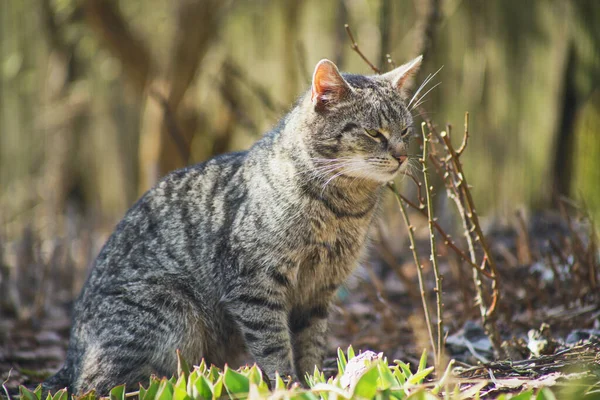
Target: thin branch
[[413, 248], [447, 239], [472, 214], [434, 258], [354, 47], [463, 146], [419, 187]]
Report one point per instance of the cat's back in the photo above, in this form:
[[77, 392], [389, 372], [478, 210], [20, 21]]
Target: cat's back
[[174, 224]]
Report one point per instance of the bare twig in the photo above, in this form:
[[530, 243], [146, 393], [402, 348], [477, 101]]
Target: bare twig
[[434, 259], [419, 187], [354, 47], [465, 141], [456, 182], [472, 214], [447, 239], [413, 248]]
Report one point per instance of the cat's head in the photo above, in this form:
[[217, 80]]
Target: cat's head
[[360, 125]]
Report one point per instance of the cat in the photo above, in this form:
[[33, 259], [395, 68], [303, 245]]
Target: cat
[[245, 251]]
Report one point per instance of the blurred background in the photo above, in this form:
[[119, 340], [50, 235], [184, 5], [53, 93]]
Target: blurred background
[[100, 98], [83, 127]]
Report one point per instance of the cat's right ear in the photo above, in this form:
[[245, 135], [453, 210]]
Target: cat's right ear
[[328, 85]]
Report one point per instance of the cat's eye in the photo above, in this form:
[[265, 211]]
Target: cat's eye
[[373, 132]]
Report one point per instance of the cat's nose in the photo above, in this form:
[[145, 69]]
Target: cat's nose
[[399, 155], [401, 158]]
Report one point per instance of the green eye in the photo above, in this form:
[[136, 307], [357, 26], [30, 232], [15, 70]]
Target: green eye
[[373, 132]]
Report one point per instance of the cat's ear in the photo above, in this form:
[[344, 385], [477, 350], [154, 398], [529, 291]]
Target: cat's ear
[[328, 86], [401, 76]]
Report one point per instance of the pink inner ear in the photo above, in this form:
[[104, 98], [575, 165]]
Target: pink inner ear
[[327, 82]]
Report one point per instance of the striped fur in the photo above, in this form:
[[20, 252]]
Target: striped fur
[[244, 251]]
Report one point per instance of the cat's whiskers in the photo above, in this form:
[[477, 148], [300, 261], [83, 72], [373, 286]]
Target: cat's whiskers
[[423, 84], [326, 171], [357, 167], [421, 99]]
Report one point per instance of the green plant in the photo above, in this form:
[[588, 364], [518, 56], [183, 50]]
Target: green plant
[[377, 379]]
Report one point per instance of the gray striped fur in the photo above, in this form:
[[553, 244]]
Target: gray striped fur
[[244, 251]]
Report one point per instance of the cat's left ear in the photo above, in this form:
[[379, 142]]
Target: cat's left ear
[[401, 76], [328, 85]]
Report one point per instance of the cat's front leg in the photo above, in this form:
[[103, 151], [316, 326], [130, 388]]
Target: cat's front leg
[[262, 317], [309, 328]]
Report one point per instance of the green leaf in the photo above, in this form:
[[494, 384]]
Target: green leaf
[[236, 383], [214, 373], [63, 395], [180, 394], [38, 391], [150, 393], [330, 388], [181, 383], [422, 361], [442, 381], [165, 390], [182, 366], [405, 368], [218, 388], [279, 384], [255, 375], [27, 394], [545, 394], [366, 387], [202, 388], [528, 395], [202, 366], [387, 378], [397, 394], [90, 395], [419, 376], [399, 375], [351, 354], [341, 361], [189, 386]]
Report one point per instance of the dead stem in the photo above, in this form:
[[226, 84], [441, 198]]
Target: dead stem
[[434, 258], [354, 47], [463, 145], [413, 248], [447, 239], [472, 214]]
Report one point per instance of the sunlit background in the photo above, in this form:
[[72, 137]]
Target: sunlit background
[[84, 128]]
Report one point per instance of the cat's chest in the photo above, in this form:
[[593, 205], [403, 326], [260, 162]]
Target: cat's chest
[[331, 251]]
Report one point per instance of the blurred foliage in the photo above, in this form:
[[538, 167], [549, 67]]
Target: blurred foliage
[[81, 131]]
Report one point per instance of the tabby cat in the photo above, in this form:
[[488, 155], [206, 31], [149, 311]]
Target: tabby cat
[[244, 252]]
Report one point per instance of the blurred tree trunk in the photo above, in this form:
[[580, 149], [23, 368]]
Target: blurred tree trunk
[[292, 10], [164, 146], [197, 24], [62, 178], [385, 26], [562, 163]]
